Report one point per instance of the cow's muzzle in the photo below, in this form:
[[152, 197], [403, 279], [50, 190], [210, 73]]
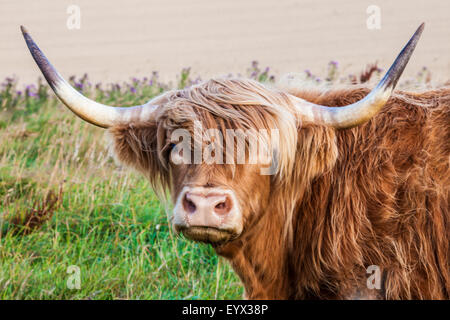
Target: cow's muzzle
[[209, 215]]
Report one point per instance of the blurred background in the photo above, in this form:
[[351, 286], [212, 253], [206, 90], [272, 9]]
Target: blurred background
[[118, 40]]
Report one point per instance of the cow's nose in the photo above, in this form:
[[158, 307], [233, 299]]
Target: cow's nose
[[215, 203], [210, 215]]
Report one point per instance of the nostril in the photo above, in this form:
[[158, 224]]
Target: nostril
[[220, 205], [188, 205], [223, 207]]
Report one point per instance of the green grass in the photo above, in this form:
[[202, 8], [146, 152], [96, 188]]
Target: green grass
[[108, 223]]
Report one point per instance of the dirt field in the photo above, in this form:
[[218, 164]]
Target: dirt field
[[133, 38]]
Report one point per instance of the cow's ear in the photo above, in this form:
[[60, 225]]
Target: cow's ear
[[136, 146]]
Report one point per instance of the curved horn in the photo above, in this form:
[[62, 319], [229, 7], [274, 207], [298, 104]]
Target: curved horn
[[96, 113], [361, 111]]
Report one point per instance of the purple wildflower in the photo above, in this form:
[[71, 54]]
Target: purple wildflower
[[334, 63], [79, 86]]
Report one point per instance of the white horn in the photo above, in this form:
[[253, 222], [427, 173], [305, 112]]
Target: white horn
[[363, 110], [96, 113]]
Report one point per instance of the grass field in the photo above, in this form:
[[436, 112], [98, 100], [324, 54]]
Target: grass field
[[65, 202]]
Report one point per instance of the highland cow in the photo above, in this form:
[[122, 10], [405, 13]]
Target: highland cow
[[360, 178]]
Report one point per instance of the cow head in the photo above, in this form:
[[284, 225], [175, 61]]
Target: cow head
[[218, 165], [196, 143]]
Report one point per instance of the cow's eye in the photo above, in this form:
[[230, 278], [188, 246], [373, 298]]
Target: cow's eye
[[169, 148]]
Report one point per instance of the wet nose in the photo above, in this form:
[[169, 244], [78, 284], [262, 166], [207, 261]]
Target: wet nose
[[207, 214], [215, 203]]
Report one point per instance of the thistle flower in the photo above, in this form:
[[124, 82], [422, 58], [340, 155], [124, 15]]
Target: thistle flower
[[308, 73], [79, 86], [334, 63]]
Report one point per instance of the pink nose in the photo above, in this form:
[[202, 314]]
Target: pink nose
[[207, 214], [205, 205]]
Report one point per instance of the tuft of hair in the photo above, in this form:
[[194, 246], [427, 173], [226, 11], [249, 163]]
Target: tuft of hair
[[216, 104]]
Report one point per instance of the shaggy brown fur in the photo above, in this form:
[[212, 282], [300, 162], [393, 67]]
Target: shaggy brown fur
[[377, 194]]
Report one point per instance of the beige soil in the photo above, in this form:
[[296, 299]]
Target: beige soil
[[118, 40]]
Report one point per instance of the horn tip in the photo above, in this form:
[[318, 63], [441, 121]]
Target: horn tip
[[420, 28], [23, 29]]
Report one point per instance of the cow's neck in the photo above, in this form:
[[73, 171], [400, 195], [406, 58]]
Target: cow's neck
[[260, 259]]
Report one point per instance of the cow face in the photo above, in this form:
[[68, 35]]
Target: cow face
[[219, 159], [219, 174]]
